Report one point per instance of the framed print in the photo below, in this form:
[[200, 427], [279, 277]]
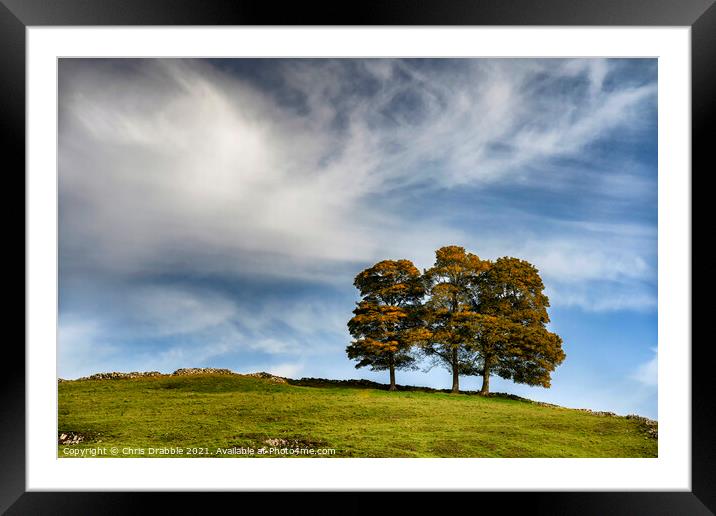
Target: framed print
[[435, 249]]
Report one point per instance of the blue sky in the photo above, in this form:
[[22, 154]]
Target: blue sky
[[213, 213]]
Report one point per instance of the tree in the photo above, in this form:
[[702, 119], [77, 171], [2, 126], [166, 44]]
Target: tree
[[508, 329], [384, 320], [450, 309]]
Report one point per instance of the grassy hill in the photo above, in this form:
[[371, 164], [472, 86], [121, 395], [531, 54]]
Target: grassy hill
[[222, 415]]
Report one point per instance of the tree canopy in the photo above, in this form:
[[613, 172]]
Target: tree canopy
[[449, 287], [510, 333], [384, 319]]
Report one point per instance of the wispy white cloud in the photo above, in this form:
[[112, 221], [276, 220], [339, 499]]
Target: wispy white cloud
[[177, 164], [169, 310], [647, 373], [165, 327], [82, 348]]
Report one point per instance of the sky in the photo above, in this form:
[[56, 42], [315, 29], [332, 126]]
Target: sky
[[213, 213]]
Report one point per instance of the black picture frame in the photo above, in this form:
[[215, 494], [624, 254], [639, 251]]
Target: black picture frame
[[16, 15]]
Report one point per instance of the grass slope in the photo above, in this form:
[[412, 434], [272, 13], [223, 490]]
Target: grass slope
[[219, 411]]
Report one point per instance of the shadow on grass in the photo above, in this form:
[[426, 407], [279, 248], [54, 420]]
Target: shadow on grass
[[368, 384]]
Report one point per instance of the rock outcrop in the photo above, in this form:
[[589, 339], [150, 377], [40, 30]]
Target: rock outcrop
[[268, 376], [115, 375], [649, 426], [200, 370], [70, 438]]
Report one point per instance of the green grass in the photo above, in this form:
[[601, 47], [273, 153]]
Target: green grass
[[215, 411]]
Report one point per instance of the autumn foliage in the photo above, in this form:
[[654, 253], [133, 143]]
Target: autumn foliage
[[385, 318], [472, 316]]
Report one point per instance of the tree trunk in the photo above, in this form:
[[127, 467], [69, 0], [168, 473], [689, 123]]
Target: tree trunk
[[392, 375], [455, 371], [485, 390]]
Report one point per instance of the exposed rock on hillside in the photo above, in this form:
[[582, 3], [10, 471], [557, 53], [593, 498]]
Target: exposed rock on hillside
[[650, 426], [70, 438], [268, 376], [118, 376], [201, 370]]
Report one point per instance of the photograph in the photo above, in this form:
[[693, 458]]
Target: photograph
[[357, 257]]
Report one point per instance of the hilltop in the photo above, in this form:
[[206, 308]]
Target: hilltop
[[215, 412]]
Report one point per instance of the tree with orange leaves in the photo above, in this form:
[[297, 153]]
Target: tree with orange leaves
[[384, 320], [449, 283], [510, 333]]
